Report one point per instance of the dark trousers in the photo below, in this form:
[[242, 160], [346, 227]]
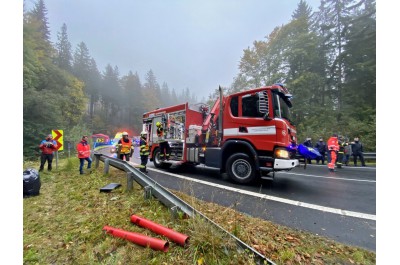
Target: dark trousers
[[121, 156], [164, 150], [82, 163], [339, 158], [143, 162], [361, 156], [322, 158], [43, 159], [346, 159]]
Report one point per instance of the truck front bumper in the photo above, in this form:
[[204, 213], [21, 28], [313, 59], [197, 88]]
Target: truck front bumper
[[285, 163]]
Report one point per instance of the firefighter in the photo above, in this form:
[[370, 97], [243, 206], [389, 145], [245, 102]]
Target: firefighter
[[333, 148], [164, 145], [342, 145], [125, 147], [144, 151]]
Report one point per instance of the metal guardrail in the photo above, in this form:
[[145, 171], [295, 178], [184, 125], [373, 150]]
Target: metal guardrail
[[169, 199], [370, 156]]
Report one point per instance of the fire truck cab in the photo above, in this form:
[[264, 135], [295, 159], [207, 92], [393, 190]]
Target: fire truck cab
[[247, 134]]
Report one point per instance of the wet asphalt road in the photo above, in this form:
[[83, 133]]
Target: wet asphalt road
[[339, 205]]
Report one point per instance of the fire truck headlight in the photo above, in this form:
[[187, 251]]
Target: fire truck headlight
[[281, 153]]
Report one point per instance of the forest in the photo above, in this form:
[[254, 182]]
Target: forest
[[326, 58]]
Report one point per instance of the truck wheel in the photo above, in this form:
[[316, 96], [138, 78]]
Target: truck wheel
[[240, 168], [157, 161]]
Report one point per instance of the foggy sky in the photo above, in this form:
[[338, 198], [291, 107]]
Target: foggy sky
[[193, 44]]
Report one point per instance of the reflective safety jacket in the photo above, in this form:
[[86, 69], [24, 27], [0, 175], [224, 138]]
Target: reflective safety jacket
[[333, 144], [160, 134], [83, 149], [342, 146], [144, 147], [125, 147]]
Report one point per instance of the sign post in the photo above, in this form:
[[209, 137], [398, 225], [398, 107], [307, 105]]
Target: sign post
[[58, 137]]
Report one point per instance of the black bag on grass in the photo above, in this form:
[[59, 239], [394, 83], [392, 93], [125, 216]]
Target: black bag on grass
[[31, 182]]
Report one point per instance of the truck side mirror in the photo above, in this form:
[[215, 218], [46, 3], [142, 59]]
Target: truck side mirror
[[266, 116]]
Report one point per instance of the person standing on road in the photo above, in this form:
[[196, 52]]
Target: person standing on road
[[321, 147], [83, 149], [125, 147], [340, 157], [308, 143], [347, 153], [48, 146], [144, 151], [358, 149], [333, 148]]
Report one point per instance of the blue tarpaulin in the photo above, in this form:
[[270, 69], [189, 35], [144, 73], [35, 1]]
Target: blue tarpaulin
[[308, 152]]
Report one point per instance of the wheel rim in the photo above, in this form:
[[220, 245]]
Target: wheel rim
[[241, 169], [157, 158]]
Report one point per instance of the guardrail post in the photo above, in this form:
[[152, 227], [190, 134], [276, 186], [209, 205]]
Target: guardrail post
[[147, 192], [129, 181], [97, 161], [175, 211], [106, 165]]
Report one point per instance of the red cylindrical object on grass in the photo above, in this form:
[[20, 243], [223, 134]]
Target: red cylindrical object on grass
[[177, 237], [142, 240]]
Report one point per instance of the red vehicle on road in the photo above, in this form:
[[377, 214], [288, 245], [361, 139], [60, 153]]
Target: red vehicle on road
[[246, 134]]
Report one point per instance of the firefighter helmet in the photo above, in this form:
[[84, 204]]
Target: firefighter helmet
[[143, 133], [124, 134], [158, 124]]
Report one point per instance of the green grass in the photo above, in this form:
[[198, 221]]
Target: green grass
[[63, 225]]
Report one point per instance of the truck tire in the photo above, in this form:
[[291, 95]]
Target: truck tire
[[157, 161], [240, 168]]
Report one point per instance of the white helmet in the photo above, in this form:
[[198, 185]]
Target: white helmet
[[143, 133], [124, 133]]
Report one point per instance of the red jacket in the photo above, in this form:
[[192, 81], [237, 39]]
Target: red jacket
[[83, 149], [48, 147], [333, 144]]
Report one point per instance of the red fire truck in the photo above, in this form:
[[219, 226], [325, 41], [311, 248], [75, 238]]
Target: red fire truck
[[246, 134]]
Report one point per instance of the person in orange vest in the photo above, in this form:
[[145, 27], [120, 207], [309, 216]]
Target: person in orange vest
[[83, 149], [125, 147], [164, 145], [48, 146], [333, 148]]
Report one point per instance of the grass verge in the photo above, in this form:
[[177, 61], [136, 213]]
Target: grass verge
[[63, 225]]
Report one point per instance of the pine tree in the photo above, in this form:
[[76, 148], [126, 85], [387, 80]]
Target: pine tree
[[64, 53], [38, 16], [151, 92]]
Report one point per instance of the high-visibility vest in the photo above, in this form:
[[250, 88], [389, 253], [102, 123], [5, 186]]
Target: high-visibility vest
[[144, 148], [125, 147]]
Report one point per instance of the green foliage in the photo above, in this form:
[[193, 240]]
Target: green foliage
[[334, 86], [328, 62]]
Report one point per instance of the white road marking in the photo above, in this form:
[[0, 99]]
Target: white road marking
[[277, 199], [314, 176]]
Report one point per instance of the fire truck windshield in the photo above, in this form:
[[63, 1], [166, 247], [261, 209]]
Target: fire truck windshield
[[281, 108]]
